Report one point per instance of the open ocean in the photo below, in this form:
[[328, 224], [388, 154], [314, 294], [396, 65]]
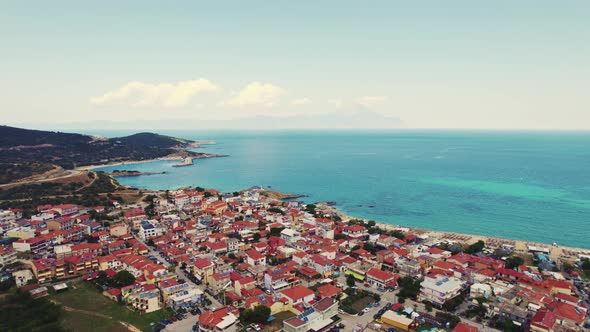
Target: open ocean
[[523, 185]]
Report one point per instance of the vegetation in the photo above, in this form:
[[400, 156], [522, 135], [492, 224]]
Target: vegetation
[[476, 247], [357, 300], [102, 184], [513, 262], [20, 312], [259, 314], [276, 210], [275, 231], [448, 318], [409, 288], [84, 296], [70, 150], [350, 280], [11, 172]]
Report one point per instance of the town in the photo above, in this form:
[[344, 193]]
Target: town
[[249, 261]]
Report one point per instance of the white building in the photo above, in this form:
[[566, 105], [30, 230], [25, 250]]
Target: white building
[[440, 289], [149, 229]]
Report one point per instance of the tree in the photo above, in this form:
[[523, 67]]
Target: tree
[[123, 278], [371, 223], [259, 314], [256, 237], [476, 247], [340, 236], [350, 280], [514, 261]]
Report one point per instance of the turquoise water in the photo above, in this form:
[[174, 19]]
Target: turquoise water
[[523, 185]]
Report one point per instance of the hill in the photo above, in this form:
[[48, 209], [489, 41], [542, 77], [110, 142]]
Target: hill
[[69, 150]]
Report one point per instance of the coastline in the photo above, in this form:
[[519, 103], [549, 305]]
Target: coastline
[[171, 157], [520, 246]]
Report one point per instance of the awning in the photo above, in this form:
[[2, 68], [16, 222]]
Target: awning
[[354, 274]]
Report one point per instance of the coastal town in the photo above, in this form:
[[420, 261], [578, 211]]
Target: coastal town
[[197, 259]]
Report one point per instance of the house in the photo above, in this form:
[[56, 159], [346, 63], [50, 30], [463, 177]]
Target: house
[[63, 223], [65, 209], [7, 256], [381, 279], [144, 298], [440, 289], [298, 294], [322, 264], [203, 269], [317, 318], [254, 257], [543, 321], [355, 231], [134, 217], [290, 235], [36, 245], [149, 229], [222, 319]]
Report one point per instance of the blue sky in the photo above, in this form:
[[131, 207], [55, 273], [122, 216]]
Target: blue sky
[[432, 64]]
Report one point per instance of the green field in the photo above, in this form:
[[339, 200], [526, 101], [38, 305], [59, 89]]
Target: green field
[[83, 296]]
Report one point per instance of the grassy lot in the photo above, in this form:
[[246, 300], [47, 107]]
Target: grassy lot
[[83, 296], [76, 321], [362, 303], [277, 324]]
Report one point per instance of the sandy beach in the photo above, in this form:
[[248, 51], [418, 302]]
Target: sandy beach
[[555, 251]]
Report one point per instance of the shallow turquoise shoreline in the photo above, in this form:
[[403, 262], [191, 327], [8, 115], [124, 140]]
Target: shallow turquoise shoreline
[[528, 186]]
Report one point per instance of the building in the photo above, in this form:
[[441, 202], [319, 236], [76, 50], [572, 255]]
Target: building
[[255, 257], [440, 289], [298, 294], [222, 319], [381, 279], [203, 269], [36, 245], [144, 299], [63, 223], [397, 321], [317, 318], [149, 229]]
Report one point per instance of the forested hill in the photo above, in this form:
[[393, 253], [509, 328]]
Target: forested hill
[[68, 150]]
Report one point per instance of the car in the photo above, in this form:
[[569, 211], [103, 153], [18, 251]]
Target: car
[[173, 318], [367, 285], [377, 315], [341, 325], [181, 281], [361, 313]]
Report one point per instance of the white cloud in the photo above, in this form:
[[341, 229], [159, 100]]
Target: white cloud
[[256, 94], [336, 102], [140, 94], [370, 101], [301, 101]]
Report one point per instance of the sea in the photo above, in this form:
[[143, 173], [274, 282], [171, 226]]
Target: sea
[[529, 185]]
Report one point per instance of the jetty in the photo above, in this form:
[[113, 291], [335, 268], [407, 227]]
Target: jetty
[[188, 161]]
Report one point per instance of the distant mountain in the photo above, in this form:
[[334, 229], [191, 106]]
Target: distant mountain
[[68, 150]]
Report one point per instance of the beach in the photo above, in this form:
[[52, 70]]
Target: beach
[[556, 252]]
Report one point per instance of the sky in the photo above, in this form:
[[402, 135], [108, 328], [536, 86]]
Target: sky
[[234, 64]]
